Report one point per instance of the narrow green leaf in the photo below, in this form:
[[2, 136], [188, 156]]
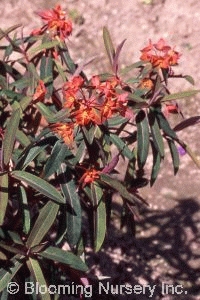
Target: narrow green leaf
[[180, 95], [156, 134], [57, 156], [22, 138], [10, 249], [174, 155], [118, 142], [7, 274], [142, 138], [164, 124], [90, 133], [45, 111], [39, 185], [44, 46], [36, 271], [43, 223], [127, 69], [46, 71], [64, 53], [4, 33], [15, 237], [3, 196], [108, 45], [115, 121], [156, 164], [119, 187], [60, 70], [189, 78], [33, 71], [99, 216], [137, 99], [10, 135], [64, 257], [74, 213], [25, 101], [25, 211]]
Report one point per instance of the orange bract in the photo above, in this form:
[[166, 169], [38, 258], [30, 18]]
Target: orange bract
[[65, 131], [146, 83], [56, 23], [85, 115], [160, 55], [89, 176], [40, 92]]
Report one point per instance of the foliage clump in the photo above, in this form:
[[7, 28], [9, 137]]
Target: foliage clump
[[58, 129]]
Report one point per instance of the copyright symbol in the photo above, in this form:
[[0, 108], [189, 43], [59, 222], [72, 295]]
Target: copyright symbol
[[13, 288]]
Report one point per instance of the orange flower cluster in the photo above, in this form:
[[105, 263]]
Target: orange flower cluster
[[56, 23], [160, 55], [89, 176], [91, 103], [64, 130]]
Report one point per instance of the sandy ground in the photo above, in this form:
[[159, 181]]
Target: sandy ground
[[167, 243]]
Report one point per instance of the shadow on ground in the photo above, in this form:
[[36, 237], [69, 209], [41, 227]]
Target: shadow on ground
[[166, 249]]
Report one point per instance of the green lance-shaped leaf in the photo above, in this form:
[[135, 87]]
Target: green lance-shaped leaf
[[3, 196], [174, 155], [10, 135], [4, 33], [180, 95], [57, 156], [108, 45], [25, 211], [119, 187], [73, 215], [43, 223], [117, 141], [37, 273], [115, 121], [156, 164], [39, 185], [99, 215], [50, 116], [43, 46], [156, 134], [7, 274], [142, 138], [22, 138], [64, 53], [164, 124], [33, 71], [189, 78], [89, 133], [46, 71], [64, 257]]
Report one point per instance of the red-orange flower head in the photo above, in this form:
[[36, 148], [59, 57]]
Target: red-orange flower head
[[55, 23], [89, 176], [87, 114], [146, 83], [160, 55], [70, 90], [40, 92], [65, 131]]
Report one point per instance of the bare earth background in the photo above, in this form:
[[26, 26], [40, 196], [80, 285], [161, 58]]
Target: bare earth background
[[167, 243]]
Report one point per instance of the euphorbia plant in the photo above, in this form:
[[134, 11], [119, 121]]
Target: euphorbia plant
[[58, 164]]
